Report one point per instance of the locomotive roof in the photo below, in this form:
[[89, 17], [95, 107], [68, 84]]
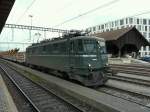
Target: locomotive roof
[[59, 40]]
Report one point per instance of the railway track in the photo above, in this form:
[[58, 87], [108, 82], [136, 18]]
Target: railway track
[[132, 69], [126, 95], [129, 85], [129, 79], [21, 102], [132, 82], [113, 89], [131, 89], [41, 99]]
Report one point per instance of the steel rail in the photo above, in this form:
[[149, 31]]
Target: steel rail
[[135, 72], [127, 82], [125, 91], [49, 91], [108, 93], [12, 80], [143, 71], [131, 80], [130, 65]]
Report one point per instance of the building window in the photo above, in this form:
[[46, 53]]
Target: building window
[[94, 28], [111, 29], [145, 53], [144, 21], [121, 22], [126, 20], [99, 27], [112, 24], [102, 26], [142, 28], [116, 23], [107, 30], [145, 28], [130, 20], [147, 48], [109, 25], [90, 29], [137, 21], [144, 48]]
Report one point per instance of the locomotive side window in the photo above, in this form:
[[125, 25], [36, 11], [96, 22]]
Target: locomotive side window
[[80, 46], [63, 48], [89, 46], [102, 47], [38, 50], [72, 47], [44, 49], [49, 48], [55, 48]]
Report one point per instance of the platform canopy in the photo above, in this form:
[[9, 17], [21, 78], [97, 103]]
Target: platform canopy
[[5, 8], [125, 40]]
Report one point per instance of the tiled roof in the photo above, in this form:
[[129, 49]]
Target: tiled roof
[[113, 35]]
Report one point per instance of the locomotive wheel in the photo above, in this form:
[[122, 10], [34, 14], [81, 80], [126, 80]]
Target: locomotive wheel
[[65, 75]]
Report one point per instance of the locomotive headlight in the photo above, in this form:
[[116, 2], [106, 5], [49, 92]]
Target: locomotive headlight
[[89, 67], [107, 64]]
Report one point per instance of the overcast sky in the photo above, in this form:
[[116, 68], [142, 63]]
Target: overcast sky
[[49, 13]]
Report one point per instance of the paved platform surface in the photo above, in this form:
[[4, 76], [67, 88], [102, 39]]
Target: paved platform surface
[[101, 101], [6, 102]]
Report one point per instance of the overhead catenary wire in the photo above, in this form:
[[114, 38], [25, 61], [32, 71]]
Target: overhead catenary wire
[[90, 11], [30, 5], [139, 14]]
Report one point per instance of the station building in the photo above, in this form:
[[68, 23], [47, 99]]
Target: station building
[[142, 25], [124, 41]]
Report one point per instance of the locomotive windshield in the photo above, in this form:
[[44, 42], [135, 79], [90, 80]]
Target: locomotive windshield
[[89, 46], [86, 46], [102, 47]]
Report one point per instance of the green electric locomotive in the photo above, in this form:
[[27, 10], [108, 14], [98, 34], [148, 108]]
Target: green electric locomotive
[[82, 58]]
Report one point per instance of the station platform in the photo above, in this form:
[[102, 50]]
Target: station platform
[[6, 102], [101, 101]]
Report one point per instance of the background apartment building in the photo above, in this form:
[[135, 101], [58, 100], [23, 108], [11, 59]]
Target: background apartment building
[[143, 25]]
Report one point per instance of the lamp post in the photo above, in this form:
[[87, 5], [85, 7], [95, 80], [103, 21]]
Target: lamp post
[[30, 16], [38, 36]]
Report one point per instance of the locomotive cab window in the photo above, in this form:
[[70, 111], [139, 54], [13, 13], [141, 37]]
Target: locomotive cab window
[[89, 46], [86, 46], [102, 47]]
